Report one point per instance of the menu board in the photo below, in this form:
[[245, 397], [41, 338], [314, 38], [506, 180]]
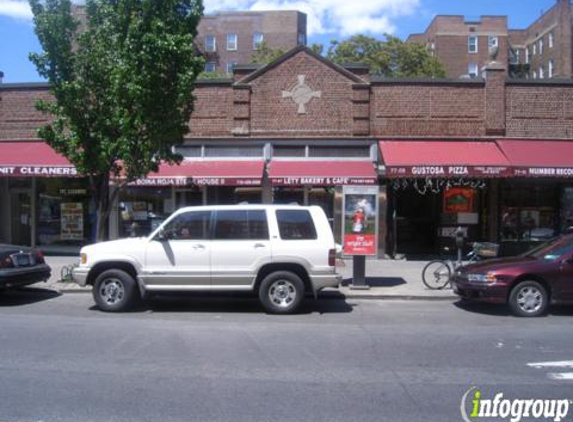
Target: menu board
[[72, 221]]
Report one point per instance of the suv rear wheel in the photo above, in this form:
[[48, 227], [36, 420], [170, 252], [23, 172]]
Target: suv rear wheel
[[281, 292], [114, 291]]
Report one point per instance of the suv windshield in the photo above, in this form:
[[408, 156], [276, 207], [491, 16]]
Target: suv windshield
[[553, 250]]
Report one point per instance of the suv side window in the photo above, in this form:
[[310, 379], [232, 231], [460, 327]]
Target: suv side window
[[296, 225], [193, 225], [241, 225]]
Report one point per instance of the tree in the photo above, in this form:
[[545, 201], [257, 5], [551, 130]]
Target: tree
[[390, 57], [265, 54], [122, 81]]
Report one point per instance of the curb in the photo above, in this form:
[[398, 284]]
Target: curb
[[329, 296]]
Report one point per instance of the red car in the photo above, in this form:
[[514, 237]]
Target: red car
[[529, 283]]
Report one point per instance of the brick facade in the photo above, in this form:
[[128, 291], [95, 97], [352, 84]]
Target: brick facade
[[348, 107], [19, 119]]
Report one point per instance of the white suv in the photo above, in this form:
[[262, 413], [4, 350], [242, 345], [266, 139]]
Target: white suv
[[280, 252]]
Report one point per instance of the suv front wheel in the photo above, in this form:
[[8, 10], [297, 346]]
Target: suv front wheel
[[281, 292], [114, 291]]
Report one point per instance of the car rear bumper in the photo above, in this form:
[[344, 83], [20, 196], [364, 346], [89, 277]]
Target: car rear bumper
[[320, 281], [80, 275], [15, 277], [494, 293]]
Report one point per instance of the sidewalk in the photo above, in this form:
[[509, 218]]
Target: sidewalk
[[388, 279]]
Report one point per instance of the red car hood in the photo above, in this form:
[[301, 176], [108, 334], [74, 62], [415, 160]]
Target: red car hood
[[498, 264]]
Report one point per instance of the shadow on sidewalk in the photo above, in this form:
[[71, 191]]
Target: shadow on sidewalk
[[378, 281], [26, 296], [237, 303]]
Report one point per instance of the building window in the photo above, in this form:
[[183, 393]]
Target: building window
[[210, 43], [492, 41], [518, 56], [526, 55], [231, 42], [472, 44], [301, 38], [473, 70], [551, 39], [230, 67], [541, 46], [534, 49], [210, 67], [541, 72], [257, 41], [534, 74], [550, 68]]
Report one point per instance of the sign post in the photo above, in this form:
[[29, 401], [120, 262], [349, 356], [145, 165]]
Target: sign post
[[360, 229]]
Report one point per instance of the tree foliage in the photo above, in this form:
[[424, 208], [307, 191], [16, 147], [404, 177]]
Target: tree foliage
[[391, 57], [122, 82]]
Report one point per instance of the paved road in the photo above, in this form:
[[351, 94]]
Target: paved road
[[222, 359]]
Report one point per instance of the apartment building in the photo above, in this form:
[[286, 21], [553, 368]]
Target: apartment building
[[466, 45], [545, 47], [230, 38], [542, 50]]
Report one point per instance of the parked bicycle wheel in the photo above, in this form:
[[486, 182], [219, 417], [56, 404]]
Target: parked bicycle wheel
[[436, 274]]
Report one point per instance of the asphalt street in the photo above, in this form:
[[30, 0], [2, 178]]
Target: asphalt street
[[223, 359]]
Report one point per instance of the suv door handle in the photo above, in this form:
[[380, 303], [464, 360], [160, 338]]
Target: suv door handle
[[259, 245], [199, 246]]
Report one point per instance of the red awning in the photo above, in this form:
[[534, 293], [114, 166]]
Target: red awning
[[412, 159], [33, 159], [539, 158], [321, 173], [206, 173]]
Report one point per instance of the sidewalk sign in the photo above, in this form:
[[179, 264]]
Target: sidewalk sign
[[360, 228]]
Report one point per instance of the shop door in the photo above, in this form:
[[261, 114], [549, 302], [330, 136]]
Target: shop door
[[417, 218], [21, 217]]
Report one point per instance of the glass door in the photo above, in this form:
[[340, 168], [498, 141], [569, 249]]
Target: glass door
[[21, 217]]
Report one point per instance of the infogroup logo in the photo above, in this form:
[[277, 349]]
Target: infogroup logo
[[475, 407]]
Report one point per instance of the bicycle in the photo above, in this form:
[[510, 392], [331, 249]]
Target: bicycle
[[437, 274]]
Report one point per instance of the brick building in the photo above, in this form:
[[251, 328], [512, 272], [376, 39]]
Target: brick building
[[230, 38], [542, 50], [463, 45], [492, 155]]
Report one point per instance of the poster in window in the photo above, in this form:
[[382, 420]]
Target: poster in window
[[360, 225], [72, 221], [458, 200]]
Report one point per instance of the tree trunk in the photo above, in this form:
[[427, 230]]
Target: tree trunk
[[100, 190]]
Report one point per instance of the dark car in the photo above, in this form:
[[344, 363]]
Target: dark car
[[528, 282], [20, 266]]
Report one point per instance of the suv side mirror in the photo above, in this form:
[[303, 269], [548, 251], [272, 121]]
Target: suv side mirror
[[161, 235]]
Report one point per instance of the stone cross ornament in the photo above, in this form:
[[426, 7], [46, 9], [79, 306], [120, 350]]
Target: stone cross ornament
[[301, 94]]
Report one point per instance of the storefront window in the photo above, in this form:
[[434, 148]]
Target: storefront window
[[567, 209], [65, 213], [142, 210], [528, 212], [324, 198], [288, 195]]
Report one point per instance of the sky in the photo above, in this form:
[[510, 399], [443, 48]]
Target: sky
[[326, 20]]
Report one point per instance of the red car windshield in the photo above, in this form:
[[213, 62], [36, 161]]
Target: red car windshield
[[553, 250]]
